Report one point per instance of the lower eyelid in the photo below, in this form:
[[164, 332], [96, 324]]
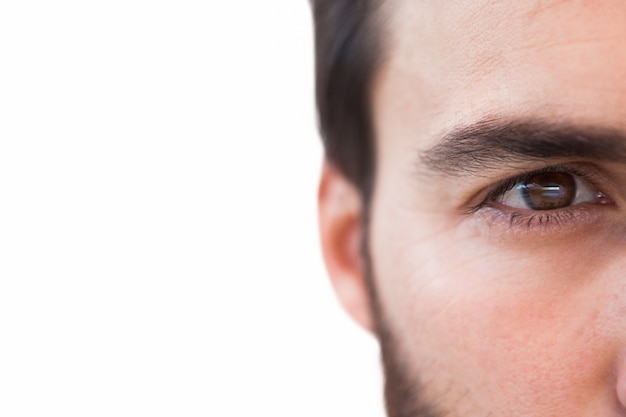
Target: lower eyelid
[[548, 221]]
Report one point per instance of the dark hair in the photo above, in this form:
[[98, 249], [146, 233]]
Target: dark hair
[[347, 51]]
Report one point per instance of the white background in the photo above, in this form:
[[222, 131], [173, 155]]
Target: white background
[[158, 236]]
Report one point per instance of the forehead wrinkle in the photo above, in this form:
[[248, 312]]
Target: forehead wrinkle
[[472, 38], [568, 42], [545, 6]]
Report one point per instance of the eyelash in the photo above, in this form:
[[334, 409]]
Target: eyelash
[[531, 219]]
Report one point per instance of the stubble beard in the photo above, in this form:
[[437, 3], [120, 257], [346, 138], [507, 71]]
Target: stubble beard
[[403, 393]]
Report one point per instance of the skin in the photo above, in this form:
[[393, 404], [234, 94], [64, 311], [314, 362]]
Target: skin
[[486, 318]]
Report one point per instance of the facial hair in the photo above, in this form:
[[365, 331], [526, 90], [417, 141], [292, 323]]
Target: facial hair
[[403, 394]]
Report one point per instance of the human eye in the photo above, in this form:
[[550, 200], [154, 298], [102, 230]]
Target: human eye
[[553, 196]]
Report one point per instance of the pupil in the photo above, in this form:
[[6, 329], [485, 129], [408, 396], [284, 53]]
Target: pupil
[[549, 191]]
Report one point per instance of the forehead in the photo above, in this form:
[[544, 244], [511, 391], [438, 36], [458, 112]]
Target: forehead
[[455, 62]]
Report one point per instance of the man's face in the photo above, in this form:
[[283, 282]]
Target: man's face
[[503, 292]]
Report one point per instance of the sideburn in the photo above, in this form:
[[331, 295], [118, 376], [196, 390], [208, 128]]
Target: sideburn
[[403, 395]]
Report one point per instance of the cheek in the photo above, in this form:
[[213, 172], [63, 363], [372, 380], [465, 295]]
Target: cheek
[[544, 350], [510, 330]]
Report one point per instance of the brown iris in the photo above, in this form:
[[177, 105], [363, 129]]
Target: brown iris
[[549, 191]]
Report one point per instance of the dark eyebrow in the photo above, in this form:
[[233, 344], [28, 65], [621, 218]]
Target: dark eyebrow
[[493, 143]]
